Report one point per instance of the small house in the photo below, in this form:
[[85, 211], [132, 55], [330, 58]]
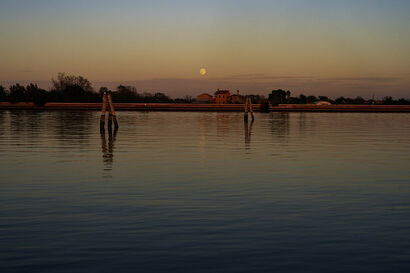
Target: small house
[[237, 98], [205, 98], [221, 96]]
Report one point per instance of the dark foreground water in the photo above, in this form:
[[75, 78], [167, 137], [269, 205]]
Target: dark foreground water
[[204, 192]]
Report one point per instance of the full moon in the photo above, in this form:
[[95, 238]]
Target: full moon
[[202, 71]]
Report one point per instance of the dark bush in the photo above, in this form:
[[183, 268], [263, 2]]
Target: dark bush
[[3, 94], [40, 99], [17, 93]]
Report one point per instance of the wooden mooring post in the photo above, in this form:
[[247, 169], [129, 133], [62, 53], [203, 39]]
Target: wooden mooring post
[[107, 99], [248, 107]]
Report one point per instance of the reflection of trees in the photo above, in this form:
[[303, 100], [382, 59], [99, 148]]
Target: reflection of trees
[[248, 132], [3, 121], [74, 127], [66, 127], [108, 151], [280, 125], [34, 123], [302, 123], [26, 124], [18, 123]]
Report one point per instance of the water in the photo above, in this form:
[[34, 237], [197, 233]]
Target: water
[[205, 192]]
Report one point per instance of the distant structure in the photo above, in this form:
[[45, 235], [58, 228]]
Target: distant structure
[[236, 98], [323, 102], [205, 98], [221, 96]]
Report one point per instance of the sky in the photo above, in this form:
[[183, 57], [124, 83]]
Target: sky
[[332, 48]]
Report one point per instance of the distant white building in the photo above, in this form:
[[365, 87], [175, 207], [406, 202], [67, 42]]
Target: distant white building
[[323, 102]]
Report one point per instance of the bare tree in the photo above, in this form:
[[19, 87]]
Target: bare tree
[[63, 81]]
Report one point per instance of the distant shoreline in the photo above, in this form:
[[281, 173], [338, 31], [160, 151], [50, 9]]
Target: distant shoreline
[[205, 107]]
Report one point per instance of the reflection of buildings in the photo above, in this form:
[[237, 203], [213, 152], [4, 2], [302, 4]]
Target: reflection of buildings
[[108, 151], [206, 122], [223, 123]]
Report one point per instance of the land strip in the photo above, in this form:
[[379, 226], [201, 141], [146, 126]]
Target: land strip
[[206, 107]]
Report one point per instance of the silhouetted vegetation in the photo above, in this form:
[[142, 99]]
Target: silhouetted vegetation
[[69, 88], [35, 94], [280, 96], [3, 94], [184, 99], [124, 94], [256, 98], [64, 81], [130, 94], [17, 93]]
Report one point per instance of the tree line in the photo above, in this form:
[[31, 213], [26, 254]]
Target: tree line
[[69, 88], [280, 96]]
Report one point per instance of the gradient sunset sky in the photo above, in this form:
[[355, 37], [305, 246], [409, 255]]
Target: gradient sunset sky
[[334, 48]]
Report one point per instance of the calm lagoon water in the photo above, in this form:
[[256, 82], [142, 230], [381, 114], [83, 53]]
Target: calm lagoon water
[[205, 192]]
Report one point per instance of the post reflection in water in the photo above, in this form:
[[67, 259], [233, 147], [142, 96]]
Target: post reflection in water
[[248, 132], [108, 151]]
